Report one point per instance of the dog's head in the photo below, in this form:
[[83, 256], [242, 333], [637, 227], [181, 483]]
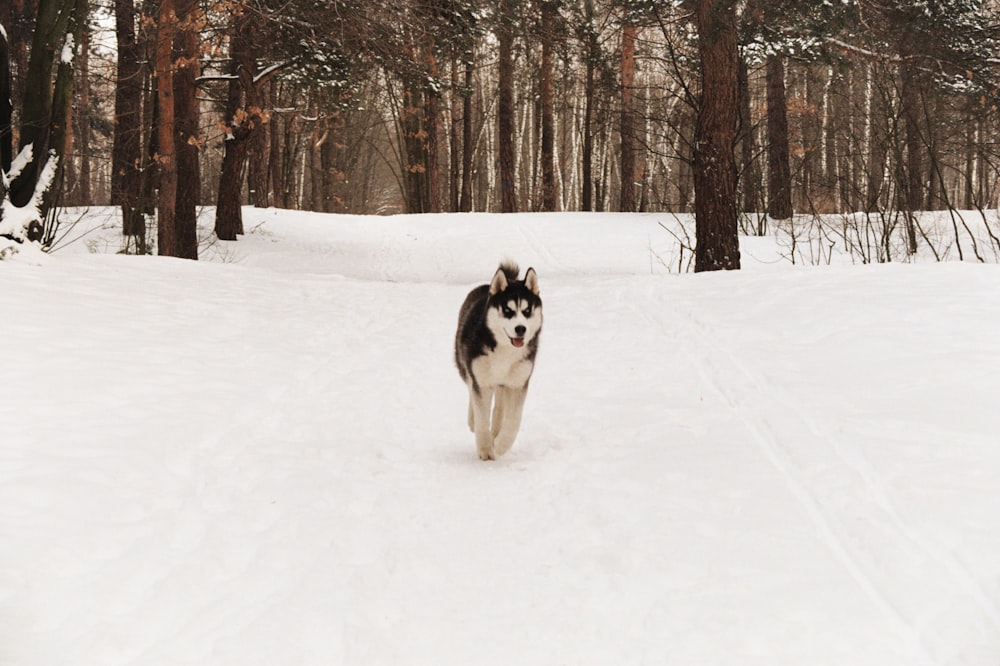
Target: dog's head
[[515, 307]]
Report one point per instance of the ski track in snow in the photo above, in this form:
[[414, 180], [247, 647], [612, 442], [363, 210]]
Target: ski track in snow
[[920, 585], [268, 462]]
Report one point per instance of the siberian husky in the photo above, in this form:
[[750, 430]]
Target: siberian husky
[[495, 348]]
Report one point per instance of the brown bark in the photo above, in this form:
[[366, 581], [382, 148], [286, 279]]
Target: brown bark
[[276, 176], [258, 150], [550, 194], [16, 16], [910, 99], [6, 111], [83, 138], [715, 136], [242, 120], [750, 176], [166, 156], [433, 120], [455, 149], [627, 202], [126, 149], [779, 173], [505, 110], [61, 138], [186, 135], [592, 51], [465, 203]]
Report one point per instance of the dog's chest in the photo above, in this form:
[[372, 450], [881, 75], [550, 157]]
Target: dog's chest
[[503, 366]]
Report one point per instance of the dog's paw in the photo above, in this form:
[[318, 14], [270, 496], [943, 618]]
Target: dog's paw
[[485, 448]]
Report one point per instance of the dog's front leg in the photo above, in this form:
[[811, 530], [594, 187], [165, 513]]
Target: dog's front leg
[[480, 403], [513, 404], [498, 407], [472, 414]]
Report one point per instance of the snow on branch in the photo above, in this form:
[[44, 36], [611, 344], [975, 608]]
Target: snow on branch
[[68, 50], [22, 160], [864, 53], [260, 76], [267, 71]]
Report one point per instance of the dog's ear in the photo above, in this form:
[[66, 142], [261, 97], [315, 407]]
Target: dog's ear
[[531, 281], [499, 282]]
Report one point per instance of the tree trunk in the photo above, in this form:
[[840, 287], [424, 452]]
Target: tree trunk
[[750, 176], [779, 173], [6, 115], [550, 193], [715, 136], [186, 134], [83, 189], [258, 152], [228, 210], [126, 150], [167, 241], [910, 101], [455, 149], [62, 104], [465, 204], [587, 158], [16, 17], [968, 198], [627, 201], [433, 120], [275, 175], [149, 168], [505, 111]]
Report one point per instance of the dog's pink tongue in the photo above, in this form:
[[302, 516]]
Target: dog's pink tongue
[[517, 342]]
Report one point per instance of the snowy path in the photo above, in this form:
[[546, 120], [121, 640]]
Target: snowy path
[[268, 462], [926, 594]]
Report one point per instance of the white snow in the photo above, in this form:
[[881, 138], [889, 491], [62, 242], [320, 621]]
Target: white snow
[[68, 50], [262, 458]]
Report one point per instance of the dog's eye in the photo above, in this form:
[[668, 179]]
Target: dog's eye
[[527, 311], [507, 312]]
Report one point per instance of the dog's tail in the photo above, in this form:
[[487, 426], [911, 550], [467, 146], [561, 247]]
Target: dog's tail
[[510, 269]]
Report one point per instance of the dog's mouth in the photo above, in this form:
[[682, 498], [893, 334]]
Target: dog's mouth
[[517, 342]]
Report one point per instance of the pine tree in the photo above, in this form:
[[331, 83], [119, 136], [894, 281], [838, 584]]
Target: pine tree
[[714, 167]]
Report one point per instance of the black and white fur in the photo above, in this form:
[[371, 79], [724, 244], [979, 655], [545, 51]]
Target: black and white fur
[[495, 348]]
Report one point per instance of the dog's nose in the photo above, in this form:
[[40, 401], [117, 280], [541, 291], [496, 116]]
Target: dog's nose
[[520, 330]]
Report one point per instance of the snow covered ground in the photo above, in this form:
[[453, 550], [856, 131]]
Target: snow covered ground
[[262, 458]]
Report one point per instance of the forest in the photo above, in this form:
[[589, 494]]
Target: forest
[[743, 112]]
